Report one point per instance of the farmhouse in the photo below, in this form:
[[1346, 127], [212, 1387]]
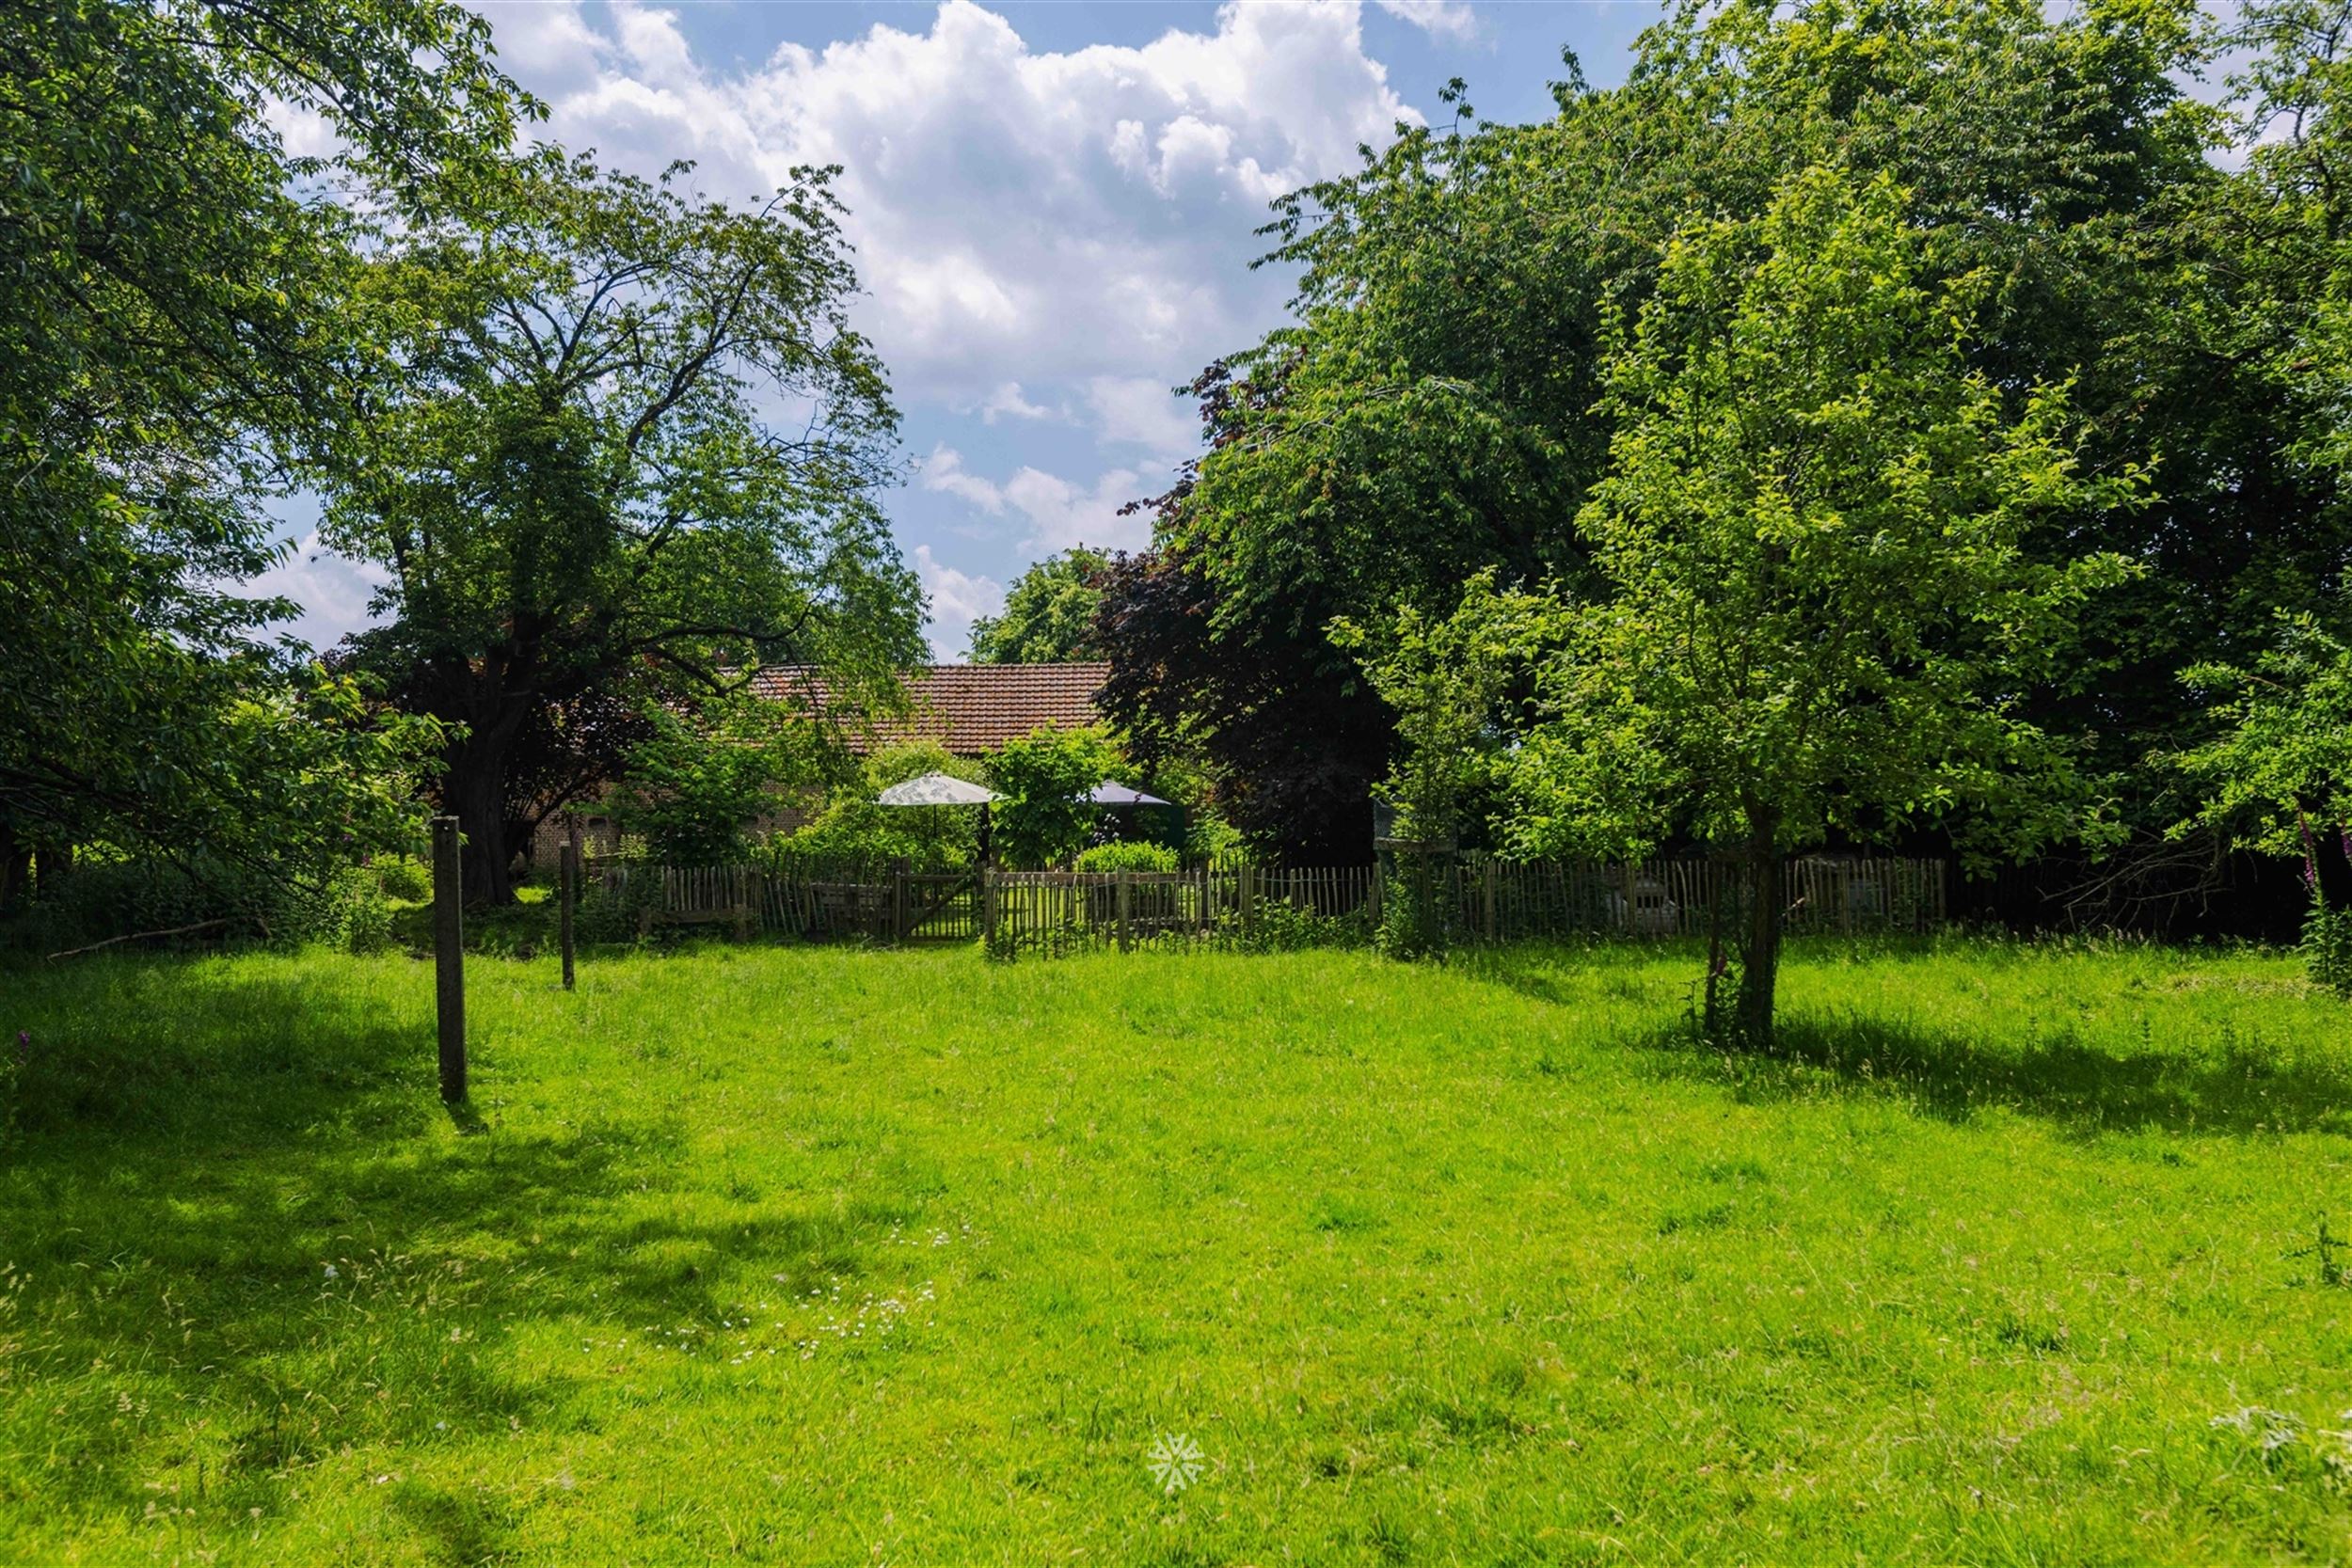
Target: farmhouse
[[971, 709]]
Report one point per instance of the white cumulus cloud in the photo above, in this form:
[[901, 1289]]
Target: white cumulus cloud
[[1061, 514], [943, 471], [1020, 216], [333, 590], [1438, 18], [1139, 411], [1047, 241], [1007, 402], [957, 598]]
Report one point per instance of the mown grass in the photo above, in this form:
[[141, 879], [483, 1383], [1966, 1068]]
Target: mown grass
[[821, 1256]]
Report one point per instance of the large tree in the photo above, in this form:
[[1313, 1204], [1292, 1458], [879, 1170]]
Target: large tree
[[1819, 606], [625, 441], [169, 333]]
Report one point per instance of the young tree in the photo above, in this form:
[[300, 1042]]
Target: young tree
[[1820, 611], [1049, 613], [568, 473], [1045, 817], [2278, 776], [698, 780]]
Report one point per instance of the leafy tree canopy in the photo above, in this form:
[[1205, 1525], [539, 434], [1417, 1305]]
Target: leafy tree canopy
[[1436, 405], [1819, 605], [1045, 817], [567, 476], [169, 341], [695, 786], [1049, 613], [2278, 776]]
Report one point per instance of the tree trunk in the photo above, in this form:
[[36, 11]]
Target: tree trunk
[[16, 867], [2331, 868], [51, 864], [1760, 967], [476, 793]]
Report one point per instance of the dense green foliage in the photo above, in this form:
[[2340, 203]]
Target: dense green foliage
[[694, 789], [1447, 678], [852, 829], [572, 486], [1438, 406], [2279, 775], [1045, 817], [2013, 1261], [1126, 855], [1817, 608], [171, 340], [1049, 613]]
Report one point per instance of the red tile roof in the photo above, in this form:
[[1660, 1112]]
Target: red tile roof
[[971, 708]]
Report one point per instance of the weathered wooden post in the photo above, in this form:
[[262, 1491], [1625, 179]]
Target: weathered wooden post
[[1126, 890], [1248, 871], [449, 958], [1491, 898], [988, 905], [898, 898], [567, 890]]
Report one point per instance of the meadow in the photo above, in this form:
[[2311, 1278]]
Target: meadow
[[818, 1255]]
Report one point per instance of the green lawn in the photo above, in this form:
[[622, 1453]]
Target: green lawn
[[819, 1255]]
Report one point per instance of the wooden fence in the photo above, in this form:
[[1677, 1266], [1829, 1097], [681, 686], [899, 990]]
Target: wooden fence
[[1059, 911]]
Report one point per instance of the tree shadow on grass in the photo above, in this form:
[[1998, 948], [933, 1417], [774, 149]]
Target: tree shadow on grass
[[2234, 1086], [2232, 1082], [250, 1239]]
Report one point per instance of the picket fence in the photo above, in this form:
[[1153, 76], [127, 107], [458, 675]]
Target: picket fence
[[1061, 912]]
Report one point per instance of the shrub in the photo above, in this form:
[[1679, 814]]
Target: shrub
[[699, 779], [1133, 855], [1045, 816], [856, 831], [404, 876], [1210, 838], [912, 759], [106, 896], [1279, 928], [1419, 917], [359, 912], [606, 914]]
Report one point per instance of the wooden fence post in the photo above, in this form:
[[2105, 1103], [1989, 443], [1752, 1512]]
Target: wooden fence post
[[988, 905], [1127, 894], [1248, 872], [567, 890], [1491, 898], [752, 912], [449, 958], [898, 899]]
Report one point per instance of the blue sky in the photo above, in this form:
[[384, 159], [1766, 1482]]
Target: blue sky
[[1053, 206]]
